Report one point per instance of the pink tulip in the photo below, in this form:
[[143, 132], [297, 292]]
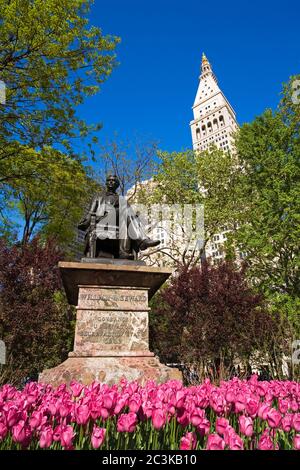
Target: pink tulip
[[127, 422], [180, 397], [147, 409], [57, 433], [121, 403], [76, 388], [240, 403], [296, 442], [46, 437], [197, 416], [204, 427], [262, 388], [215, 442], [3, 431], [66, 436], [82, 414], [12, 416], [286, 422], [21, 433], [294, 405], [182, 417], [134, 402], [109, 400], [95, 409], [37, 419], [274, 418], [230, 396], [265, 443], [202, 399], [221, 425], [158, 418], [252, 407], [217, 402], [188, 441], [263, 411], [64, 408], [229, 433], [296, 422], [283, 406], [246, 425], [133, 387], [98, 436], [236, 443], [52, 408]]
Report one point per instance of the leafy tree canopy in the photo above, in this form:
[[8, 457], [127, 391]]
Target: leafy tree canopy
[[269, 152], [50, 60]]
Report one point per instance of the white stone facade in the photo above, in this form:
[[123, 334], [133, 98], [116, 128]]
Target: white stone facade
[[214, 124], [214, 119]]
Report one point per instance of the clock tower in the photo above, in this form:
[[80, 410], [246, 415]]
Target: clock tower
[[214, 119]]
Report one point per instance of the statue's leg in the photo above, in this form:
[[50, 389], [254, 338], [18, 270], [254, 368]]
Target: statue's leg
[[125, 250], [138, 235], [136, 231], [93, 247]]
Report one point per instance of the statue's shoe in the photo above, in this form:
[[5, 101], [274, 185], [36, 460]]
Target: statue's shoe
[[148, 243], [126, 256]]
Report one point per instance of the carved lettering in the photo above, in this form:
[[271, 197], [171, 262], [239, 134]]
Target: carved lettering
[[113, 298]]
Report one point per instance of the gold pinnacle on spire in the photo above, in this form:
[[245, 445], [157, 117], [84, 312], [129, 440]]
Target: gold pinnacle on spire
[[204, 59]]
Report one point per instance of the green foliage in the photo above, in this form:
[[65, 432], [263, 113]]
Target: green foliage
[[176, 178], [50, 200], [50, 60], [269, 152], [207, 178]]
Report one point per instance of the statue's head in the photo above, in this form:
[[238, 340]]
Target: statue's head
[[112, 182]]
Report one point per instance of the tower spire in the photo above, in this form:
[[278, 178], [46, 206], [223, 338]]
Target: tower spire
[[214, 119], [205, 65], [204, 59]]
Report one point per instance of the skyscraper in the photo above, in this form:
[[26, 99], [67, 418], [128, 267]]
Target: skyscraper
[[214, 123], [214, 118]]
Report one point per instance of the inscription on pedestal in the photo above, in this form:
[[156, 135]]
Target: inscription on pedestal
[[112, 298], [111, 331]]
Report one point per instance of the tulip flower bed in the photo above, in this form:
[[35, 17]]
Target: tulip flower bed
[[236, 415]]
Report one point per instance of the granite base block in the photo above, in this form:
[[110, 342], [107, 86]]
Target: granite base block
[[109, 370]]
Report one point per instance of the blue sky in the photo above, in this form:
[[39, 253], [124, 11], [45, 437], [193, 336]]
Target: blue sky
[[253, 46]]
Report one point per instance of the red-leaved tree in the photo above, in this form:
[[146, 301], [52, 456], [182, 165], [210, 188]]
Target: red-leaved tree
[[209, 316], [36, 322]]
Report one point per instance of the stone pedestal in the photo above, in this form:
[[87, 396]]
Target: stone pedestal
[[111, 335]]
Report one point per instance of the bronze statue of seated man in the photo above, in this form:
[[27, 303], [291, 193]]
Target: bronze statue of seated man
[[112, 228]]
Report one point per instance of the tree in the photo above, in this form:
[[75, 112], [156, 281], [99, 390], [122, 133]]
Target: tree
[[209, 316], [52, 201], [132, 162], [207, 178], [269, 233], [50, 60], [36, 322]]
